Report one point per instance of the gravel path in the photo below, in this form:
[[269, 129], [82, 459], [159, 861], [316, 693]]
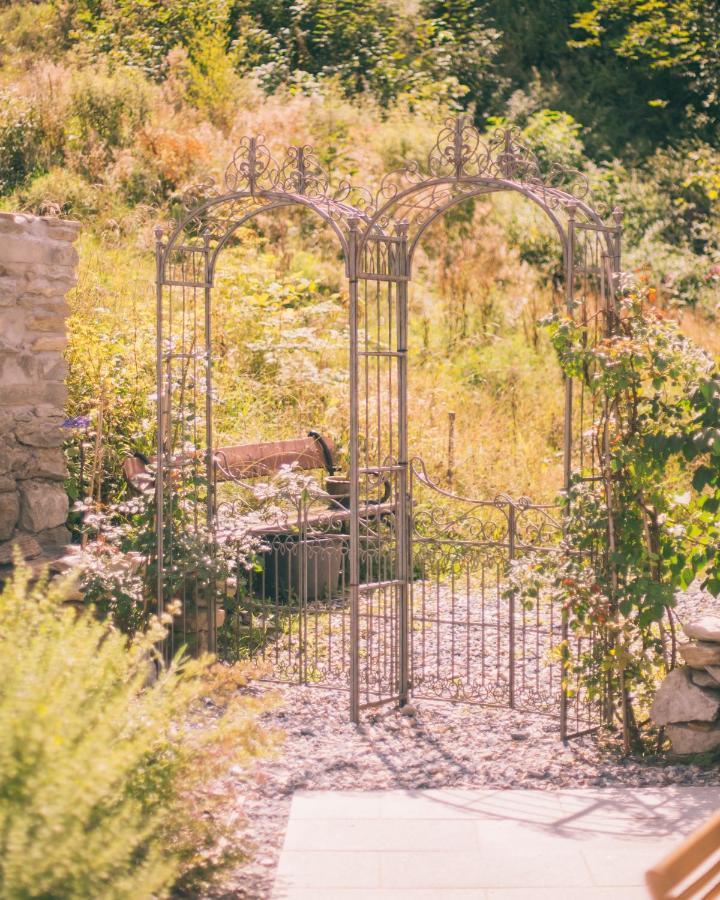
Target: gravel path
[[440, 745]]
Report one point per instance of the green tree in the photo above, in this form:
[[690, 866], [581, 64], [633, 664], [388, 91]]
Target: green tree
[[457, 43], [678, 41], [356, 41], [140, 33]]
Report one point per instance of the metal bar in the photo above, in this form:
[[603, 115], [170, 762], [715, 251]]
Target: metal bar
[[511, 608], [172, 282], [403, 524], [368, 586], [159, 481], [354, 477], [394, 279], [209, 452]]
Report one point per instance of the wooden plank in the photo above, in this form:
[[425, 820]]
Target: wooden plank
[[693, 859], [267, 458], [242, 460]]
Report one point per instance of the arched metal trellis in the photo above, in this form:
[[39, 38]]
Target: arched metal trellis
[[397, 590]]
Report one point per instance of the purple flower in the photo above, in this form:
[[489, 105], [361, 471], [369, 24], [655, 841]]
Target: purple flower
[[77, 422]]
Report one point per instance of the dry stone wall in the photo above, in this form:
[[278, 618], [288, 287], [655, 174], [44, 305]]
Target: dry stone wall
[[37, 268], [687, 703]]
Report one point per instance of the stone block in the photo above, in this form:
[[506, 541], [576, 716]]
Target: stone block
[[50, 342], [55, 368], [17, 367], [43, 505], [62, 229], [28, 547], [53, 324], [691, 738], [9, 513], [7, 457], [9, 290], [49, 411], [46, 292], [56, 392], [703, 679], [46, 462], [679, 700], [55, 305], [20, 394], [40, 433], [700, 654], [53, 539], [29, 250], [706, 628]]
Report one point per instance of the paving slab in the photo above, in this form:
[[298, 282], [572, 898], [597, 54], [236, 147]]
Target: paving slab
[[458, 844]]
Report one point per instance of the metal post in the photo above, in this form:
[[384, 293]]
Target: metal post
[[209, 452], [564, 667], [569, 250], [511, 603], [353, 264], [402, 523], [159, 488]]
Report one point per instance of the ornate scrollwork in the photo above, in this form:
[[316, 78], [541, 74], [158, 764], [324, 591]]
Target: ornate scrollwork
[[459, 163], [510, 158], [301, 173], [457, 150], [252, 167]]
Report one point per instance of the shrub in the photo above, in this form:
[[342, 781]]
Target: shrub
[[101, 778], [104, 113], [21, 136], [60, 192], [30, 28]]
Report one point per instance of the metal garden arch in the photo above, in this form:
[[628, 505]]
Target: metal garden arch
[[414, 604]]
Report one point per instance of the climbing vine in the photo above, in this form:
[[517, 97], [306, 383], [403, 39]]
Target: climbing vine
[[649, 524]]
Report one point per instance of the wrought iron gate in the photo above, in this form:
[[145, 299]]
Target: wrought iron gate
[[405, 593]]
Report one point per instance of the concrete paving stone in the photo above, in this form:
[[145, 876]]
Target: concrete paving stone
[[427, 835], [335, 804], [454, 804], [518, 868], [587, 893], [490, 845], [617, 863], [385, 894], [336, 869]]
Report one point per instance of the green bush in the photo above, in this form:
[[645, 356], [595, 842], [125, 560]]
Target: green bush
[[105, 113], [21, 137], [101, 778], [60, 192], [29, 27]]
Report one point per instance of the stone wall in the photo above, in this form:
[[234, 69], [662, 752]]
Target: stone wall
[[37, 268]]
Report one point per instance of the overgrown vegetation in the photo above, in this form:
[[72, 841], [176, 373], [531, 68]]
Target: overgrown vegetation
[[103, 776], [647, 527], [109, 111]]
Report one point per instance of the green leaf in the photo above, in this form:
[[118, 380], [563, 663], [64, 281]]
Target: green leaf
[[703, 476]]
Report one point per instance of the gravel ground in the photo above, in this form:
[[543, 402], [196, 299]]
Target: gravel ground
[[437, 745]]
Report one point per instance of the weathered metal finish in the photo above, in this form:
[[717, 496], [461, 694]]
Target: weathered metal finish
[[347, 604], [159, 478]]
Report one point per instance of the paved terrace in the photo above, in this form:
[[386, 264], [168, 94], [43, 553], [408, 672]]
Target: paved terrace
[[448, 844]]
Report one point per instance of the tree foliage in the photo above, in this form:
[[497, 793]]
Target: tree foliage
[[675, 38]]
